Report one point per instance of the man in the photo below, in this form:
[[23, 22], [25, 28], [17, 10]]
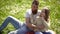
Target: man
[[34, 10]]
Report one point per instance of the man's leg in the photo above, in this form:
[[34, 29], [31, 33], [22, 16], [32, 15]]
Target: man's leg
[[37, 32], [22, 30], [16, 23]]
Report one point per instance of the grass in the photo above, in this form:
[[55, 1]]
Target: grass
[[17, 9]]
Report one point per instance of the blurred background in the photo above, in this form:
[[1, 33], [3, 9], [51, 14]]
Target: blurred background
[[17, 9]]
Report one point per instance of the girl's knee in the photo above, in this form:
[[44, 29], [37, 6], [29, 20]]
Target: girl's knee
[[52, 32]]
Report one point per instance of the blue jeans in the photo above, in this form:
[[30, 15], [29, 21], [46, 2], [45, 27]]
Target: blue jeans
[[20, 26], [16, 23]]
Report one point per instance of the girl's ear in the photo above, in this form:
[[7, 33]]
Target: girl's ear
[[40, 15]]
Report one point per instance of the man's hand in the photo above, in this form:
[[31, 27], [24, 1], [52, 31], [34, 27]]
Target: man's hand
[[31, 26], [34, 26]]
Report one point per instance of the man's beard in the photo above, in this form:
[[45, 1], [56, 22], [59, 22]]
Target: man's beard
[[34, 12]]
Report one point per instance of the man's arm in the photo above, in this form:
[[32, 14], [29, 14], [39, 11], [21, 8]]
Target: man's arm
[[29, 24]]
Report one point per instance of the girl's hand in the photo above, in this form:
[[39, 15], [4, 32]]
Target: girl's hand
[[41, 27]]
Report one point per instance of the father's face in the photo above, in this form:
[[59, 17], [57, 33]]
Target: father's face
[[34, 8]]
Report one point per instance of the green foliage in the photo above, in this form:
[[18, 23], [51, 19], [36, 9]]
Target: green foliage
[[17, 9]]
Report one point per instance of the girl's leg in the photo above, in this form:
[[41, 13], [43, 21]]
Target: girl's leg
[[49, 32], [16, 23], [46, 32]]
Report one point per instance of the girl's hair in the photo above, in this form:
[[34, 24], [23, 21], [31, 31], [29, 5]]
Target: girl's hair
[[46, 13]]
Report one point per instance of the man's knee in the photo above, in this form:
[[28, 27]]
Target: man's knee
[[10, 17]]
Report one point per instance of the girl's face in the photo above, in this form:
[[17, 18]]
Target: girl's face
[[42, 13]]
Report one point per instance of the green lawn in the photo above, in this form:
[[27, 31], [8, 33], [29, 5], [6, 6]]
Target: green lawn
[[17, 9]]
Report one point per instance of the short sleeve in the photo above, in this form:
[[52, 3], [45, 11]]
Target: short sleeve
[[27, 14]]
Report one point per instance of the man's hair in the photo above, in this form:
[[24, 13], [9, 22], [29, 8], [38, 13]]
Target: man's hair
[[36, 2]]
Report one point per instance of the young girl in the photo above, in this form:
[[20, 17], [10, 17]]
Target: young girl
[[40, 20], [43, 19]]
